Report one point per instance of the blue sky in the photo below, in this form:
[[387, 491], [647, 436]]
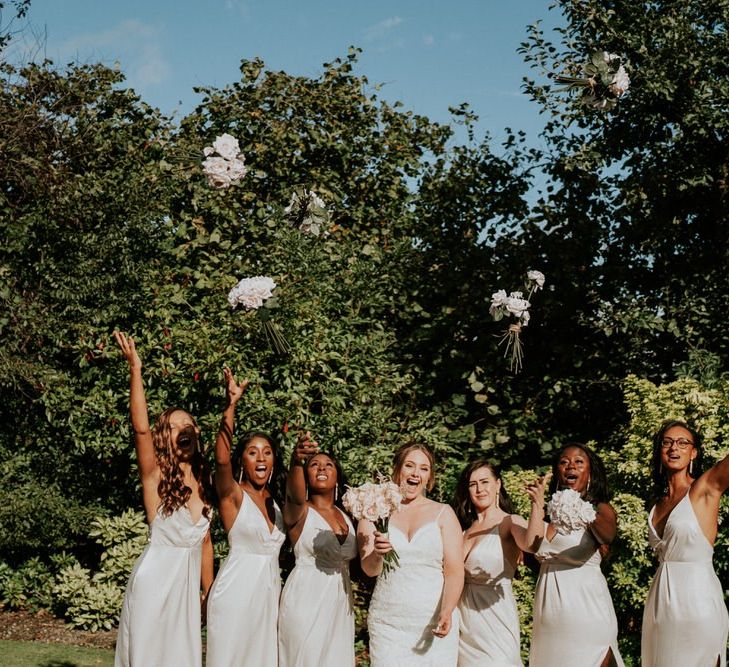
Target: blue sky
[[430, 54]]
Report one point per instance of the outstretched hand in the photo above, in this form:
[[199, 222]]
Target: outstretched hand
[[536, 489], [305, 448], [233, 388], [129, 350]]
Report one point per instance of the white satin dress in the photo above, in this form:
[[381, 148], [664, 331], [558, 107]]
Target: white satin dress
[[316, 618], [406, 604], [489, 617], [574, 618], [685, 620], [160, 618], [243, 600]]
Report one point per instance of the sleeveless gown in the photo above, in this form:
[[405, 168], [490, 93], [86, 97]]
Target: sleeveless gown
[[574, 618], [489, 618], [406, 603], [685, 620], [316, 619], [243, 601], [160, 618]]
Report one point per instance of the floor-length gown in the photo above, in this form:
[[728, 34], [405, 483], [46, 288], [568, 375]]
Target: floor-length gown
[[160, 618], [316, 618], [406, 604], [243, 600], [489, 617], [685, 620], [574, 618]]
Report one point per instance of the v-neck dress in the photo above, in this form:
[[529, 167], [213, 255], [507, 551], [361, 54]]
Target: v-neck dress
[[160, 618], [574, 619], [316, 618], [685, 620], [489, 617], [243, 601], [406, 604]]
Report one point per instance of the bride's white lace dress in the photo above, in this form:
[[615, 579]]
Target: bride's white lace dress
[[406, 602]]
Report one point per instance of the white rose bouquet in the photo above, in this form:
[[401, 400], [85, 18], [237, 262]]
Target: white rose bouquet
[[569, 512], [604, 80], [515, 305], [252, 294], [375, 502], [308, 212], [224, 163]]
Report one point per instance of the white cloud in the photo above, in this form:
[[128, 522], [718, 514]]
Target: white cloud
[[134, 43], [379, 30]]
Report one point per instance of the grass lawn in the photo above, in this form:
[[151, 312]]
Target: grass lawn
[[36, 654]]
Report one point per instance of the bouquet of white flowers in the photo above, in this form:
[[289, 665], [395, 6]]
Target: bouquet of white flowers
[[604, 80], [375, 502], [569, 512], [228, 166], [308, 212], [252, 293], [515, 305]]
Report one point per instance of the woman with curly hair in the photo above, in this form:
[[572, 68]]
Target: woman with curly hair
[[491, 538], [160, 619], [248, 583], [574, 619], [685, 621]]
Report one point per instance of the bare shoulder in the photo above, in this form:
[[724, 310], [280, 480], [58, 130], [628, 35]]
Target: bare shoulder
[[515, 520]]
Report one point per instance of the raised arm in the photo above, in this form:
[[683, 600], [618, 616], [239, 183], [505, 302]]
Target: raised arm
[[529, 538], [605, 526], [225, 485], [452, 570], [295, 507]]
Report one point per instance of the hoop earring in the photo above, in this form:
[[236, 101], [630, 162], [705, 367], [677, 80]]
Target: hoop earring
[[691, 467]]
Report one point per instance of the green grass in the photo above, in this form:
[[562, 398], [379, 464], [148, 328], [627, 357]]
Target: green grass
[[36, 654]]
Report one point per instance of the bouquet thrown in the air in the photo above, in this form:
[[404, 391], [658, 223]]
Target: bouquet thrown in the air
[[224, 164], [569, 512], [252, 293], [516, 306], [604, 79], [375, 502]]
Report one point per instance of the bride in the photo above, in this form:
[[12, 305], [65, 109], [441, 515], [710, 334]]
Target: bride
[[412, 617]]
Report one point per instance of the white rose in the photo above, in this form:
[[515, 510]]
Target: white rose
[[516, 306], [537, 277], [227, 146], [236, 169], [621, 82], [251, 292], [216, 170]]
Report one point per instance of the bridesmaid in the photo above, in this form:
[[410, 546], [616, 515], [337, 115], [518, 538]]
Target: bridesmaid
[[316, 620], [160, 618], [248, 584], [685, 620], [574, 618], [489, 617]]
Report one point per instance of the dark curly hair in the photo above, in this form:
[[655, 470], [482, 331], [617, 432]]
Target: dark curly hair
[[172, 490], [277, 485], [465, 511], [598, 490], [658, 473], [341, 477]]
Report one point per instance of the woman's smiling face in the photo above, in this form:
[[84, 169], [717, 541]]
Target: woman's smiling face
[[414, 474]]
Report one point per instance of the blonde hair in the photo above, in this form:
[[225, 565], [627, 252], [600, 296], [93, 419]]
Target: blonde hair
[[402, 453]]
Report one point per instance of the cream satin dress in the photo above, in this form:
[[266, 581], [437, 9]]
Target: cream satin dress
[[316, 618], [406, 603], [243, 601], [489, 617], [685, 620], [160, 618], [574, 618]]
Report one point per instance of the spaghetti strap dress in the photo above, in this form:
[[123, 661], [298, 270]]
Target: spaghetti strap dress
[[316, 619], [160, 618], [406, 604], [489, 617], [685, 620], [574, 619], [243, 600]]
